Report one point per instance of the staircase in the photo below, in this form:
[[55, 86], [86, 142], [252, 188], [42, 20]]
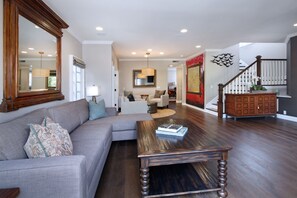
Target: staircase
[[266, 72]]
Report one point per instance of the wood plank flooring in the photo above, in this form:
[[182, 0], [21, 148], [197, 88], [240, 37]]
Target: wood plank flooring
[[262, 163]]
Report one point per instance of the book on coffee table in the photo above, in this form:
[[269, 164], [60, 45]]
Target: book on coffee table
[[181, 132], [170, 127]]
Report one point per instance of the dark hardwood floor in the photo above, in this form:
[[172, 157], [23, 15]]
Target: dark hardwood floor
[[262, 163]]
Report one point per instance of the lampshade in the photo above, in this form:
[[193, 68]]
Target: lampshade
[[93, 91], [40, 72], [148, 71]]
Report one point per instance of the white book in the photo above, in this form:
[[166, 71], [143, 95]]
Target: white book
[[170, 127], [179, 133]]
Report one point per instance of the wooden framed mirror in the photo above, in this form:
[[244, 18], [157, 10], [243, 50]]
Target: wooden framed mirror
[[143, 81], [32, 54]]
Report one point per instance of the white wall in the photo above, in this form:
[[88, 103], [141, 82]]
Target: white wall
[[266, 50], [215, 74], [125, 73], [98, 58], [70, 45]]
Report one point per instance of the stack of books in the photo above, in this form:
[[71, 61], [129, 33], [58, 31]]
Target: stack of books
[[172, 129]]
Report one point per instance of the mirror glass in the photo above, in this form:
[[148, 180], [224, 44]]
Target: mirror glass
[[143, 81], [37, 58]]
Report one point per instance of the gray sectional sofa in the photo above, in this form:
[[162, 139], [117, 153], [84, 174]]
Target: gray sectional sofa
[[75, 176]]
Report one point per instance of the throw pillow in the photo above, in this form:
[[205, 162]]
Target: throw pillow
[[48, 141], [158, 93], [127, 93], [131, 97], [97, 110]]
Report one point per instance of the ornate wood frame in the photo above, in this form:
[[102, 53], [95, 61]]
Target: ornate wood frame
[[39, 13]]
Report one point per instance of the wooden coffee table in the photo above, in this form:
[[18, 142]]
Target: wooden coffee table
[[9, 193], [196, 146]]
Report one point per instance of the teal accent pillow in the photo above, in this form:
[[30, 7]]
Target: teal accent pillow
[[97, 110]]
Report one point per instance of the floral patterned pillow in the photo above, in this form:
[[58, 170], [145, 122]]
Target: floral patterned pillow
[[47, 140]]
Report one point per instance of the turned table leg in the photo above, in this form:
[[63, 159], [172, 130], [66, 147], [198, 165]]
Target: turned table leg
[[144, 181], [222, 173]]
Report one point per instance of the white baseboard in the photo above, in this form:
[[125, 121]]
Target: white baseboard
[[200, 109], [286, 117]]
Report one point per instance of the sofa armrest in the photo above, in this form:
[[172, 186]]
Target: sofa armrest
[[111, 111], [46, 177]]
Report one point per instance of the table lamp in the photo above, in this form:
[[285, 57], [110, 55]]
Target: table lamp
[[93, 91]]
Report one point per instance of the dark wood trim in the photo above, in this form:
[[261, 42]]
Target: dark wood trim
[[39, 13], [258, 69]]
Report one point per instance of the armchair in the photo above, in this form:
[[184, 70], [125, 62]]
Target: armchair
[[163, 101]]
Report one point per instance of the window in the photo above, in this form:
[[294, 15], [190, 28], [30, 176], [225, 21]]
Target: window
[[78, 79]]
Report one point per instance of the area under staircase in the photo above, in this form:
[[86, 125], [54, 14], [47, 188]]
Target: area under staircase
[[267, 72]]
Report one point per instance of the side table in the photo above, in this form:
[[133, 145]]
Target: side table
[[144, 96], [152, 107], [9, 193]]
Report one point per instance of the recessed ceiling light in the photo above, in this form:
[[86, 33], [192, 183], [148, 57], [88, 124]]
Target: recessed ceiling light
[[149, 50], [49, 55], [31, 48], [295, 25], [181, 55], [133, 53], [99, 28], [24, 52], [145, 56], [162, 53], [36, 26], [198, 46], [170, 65], [183, 30]]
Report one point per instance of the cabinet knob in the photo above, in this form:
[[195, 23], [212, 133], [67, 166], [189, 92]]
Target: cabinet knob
[[258, 107]]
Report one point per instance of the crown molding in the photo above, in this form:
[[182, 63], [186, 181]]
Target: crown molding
[[93, 42], [290, 36]]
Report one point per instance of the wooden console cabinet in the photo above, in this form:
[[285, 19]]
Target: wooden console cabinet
[[250, 104]]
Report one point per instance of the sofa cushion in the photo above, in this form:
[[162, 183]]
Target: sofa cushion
[[122, 122], [158, 93], [82, 107], [14, 134], [48, 140], [97, 110], [66, 115], [131, 98], [127, 93], [91, 142]]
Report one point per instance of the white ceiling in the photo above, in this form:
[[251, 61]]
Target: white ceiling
[[136, 25]]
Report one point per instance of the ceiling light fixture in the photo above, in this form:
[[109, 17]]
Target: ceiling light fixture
[[162, 53], [149, 50], [40, 72], [198, 46], [49, 55], [295, 25], [99, 28], [133, 53], [181, 55], [24, 52], [148, 71], [31, 48], [183, 30]]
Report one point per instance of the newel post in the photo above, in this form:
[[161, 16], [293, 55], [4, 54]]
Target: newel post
[[259, 60], [220, 101]]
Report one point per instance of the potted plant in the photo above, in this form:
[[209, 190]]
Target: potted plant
[[255, 87]]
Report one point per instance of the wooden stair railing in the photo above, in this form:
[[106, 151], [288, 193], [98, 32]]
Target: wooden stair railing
[[269, 72]]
